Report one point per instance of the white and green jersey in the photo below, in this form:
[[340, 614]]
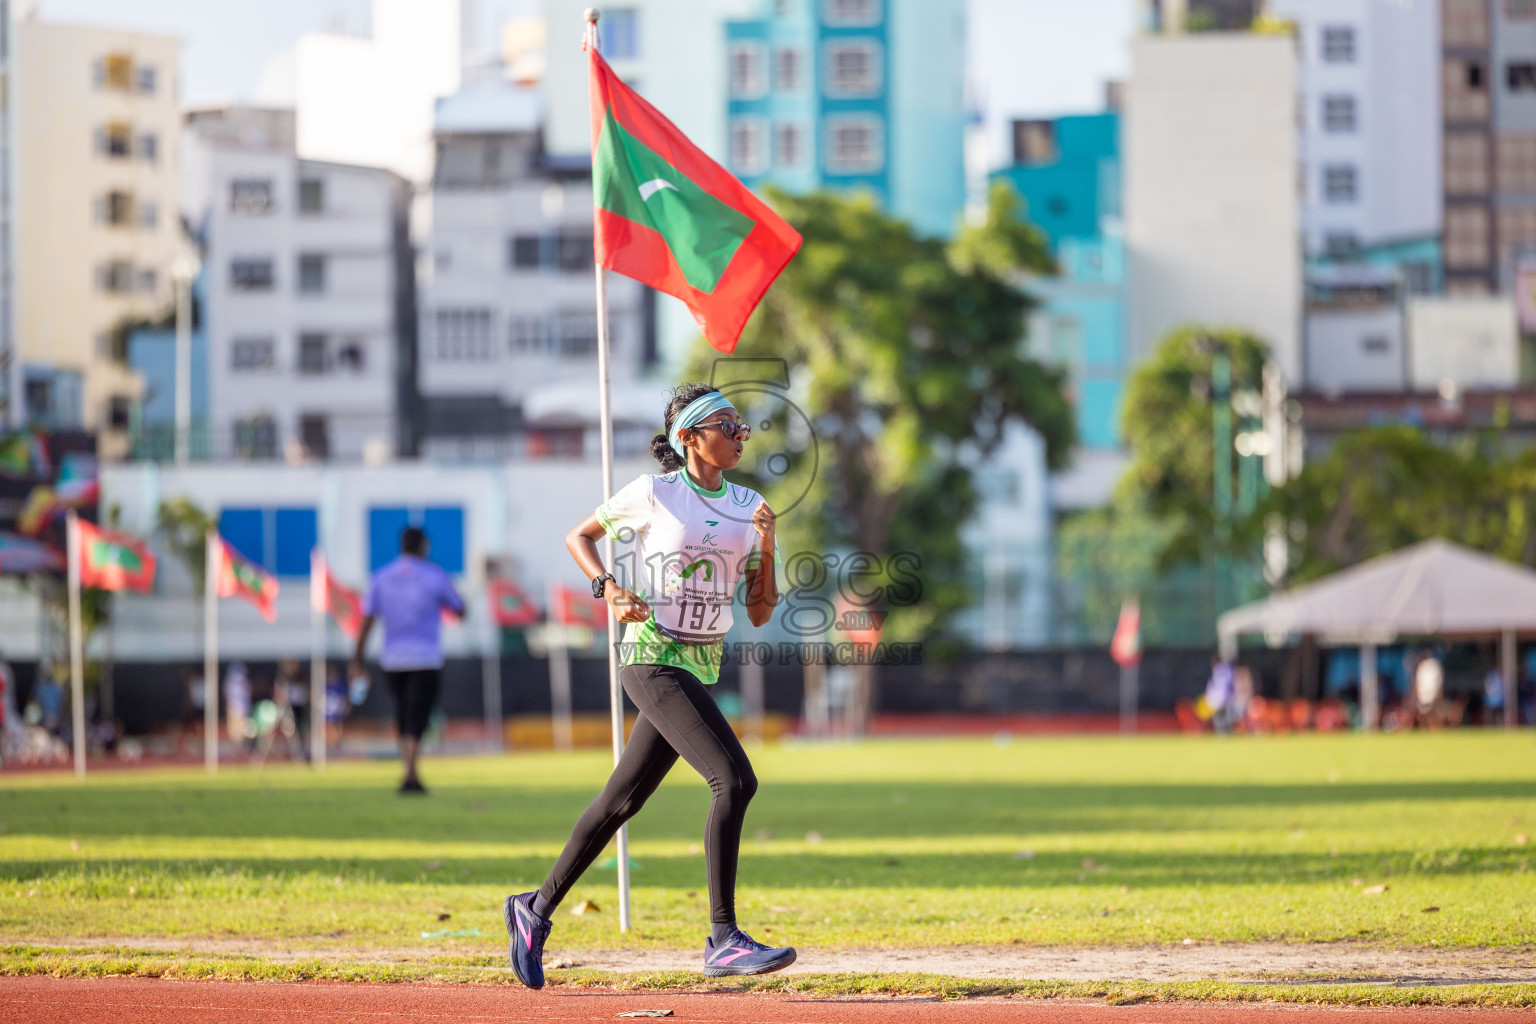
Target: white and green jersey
[[690, 548]]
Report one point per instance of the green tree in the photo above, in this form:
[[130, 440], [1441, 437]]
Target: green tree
[[1383, 489], [1169, 426], [905, 353], [185, 527]]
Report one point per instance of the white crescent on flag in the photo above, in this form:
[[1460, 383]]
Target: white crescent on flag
[[650, 188]]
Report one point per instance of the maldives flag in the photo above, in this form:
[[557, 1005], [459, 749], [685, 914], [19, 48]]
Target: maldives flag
[[510, 604], [1125, 648], [670, 217], [112, 560], [328, 594], [240, 578], [577, 608]]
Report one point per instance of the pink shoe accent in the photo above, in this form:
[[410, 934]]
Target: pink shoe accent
[[523, 930], [737, 955]]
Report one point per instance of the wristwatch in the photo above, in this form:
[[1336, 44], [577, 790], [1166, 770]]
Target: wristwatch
[[597, 584]]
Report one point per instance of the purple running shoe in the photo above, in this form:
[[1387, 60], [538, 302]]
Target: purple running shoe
[[741, 954], [526, 932]]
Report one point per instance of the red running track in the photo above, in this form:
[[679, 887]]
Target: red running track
[[140, 1001]]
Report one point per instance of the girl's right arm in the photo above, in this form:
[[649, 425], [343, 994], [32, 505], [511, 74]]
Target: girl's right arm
[[581, 542]]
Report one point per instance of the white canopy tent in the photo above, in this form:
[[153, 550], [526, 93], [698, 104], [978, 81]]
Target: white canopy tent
[[1434, 588]]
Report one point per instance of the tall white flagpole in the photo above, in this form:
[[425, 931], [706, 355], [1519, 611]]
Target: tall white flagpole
[[605, 421], [211, 652], [317, 660], [76, 652]]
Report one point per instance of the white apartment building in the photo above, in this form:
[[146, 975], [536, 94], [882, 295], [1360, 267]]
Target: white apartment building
[[1370, 120], [95, 192], [508, 302], [1212, 206], [310, 322]]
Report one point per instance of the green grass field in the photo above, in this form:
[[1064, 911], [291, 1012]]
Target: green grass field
[[911, 843]]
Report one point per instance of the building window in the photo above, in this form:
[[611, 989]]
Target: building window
[[315, 435], [575, 251], [115, 71], [144, 79], [119, 412], [578, 335], [256, 437], [1338, 113], [115, 277], [311, 273], [314, 353], [525, 335], [1034, 142], [788, 145], [1467, 234], [250, 275], [1520, 76], [352, 356], [620, 31], [1474, 76], [116, 209], [1517, 163], [523, 252], [855, 145], [1466, 164], [252, 354], [853, 68], [747, 145], [1341, 244], [250, 197], [311, 195], [1341, 183], [788, 70], [463, 334], [1338, 44], [149, 147], [149, 215], [850, 12], [115, 141], [148, 281], [1376, 345], [747, 78]]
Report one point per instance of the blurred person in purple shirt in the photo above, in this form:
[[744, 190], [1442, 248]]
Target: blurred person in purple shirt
[[409, 595]]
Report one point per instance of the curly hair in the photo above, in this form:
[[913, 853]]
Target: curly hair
[[683, 396]]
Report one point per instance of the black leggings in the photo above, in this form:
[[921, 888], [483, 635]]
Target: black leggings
[[678, 717]]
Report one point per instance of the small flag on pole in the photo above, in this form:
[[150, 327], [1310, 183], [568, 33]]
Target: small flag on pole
[[328, 594], [670, 217], [576, 608], [1125, 648], [238, 577], [510, 603], [113, 560]]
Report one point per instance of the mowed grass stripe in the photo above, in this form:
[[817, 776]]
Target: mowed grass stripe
[[1066, 841]]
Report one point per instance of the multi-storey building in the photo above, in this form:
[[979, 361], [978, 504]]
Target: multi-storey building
[[508, 311], [311, 320], [96, 187], [1067, 171], [853, 95], [1212, 211], [1369, 121], [1489, 104]]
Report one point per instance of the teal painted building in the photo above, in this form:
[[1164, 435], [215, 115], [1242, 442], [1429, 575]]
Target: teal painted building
[[1067, 171], [853, 96]]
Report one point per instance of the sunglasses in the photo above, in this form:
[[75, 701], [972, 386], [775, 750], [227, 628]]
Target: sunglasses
[[731, 430]]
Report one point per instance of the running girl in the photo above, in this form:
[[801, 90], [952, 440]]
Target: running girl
[[695, 536]]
